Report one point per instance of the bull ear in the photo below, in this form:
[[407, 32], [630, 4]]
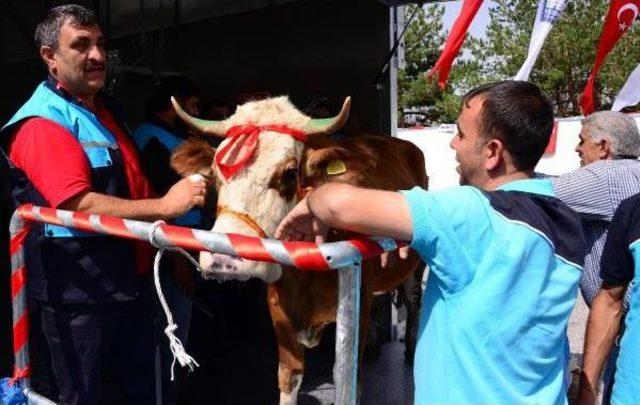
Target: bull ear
[[318, 126], [193, 156], [326, 160]]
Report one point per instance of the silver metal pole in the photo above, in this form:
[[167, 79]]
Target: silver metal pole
[[33, 398], [345, 369], [17, 229]]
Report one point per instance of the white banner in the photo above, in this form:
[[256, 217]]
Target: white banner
[[548, 12], [630, 92]]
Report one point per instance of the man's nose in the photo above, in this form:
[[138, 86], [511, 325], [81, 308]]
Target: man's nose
[[97, 54], [452, 143]]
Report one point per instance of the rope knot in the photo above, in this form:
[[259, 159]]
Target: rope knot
[[177, 349], [153, 237], [170, 329]]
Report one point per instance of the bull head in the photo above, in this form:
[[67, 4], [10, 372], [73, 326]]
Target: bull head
[[253, 200]]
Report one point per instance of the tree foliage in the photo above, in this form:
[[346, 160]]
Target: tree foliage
[[561, 70]]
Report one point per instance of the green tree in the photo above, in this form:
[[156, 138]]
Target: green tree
[[418, 96], [422, 40]]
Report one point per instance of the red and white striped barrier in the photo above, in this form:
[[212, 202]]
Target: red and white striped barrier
[[346, 255]]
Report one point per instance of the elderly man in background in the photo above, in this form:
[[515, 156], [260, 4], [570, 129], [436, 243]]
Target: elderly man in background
[[610, 172]]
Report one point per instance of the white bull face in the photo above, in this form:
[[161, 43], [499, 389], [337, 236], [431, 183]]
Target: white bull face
[[253, 200]]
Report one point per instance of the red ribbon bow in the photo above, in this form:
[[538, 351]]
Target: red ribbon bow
[[242, 145]]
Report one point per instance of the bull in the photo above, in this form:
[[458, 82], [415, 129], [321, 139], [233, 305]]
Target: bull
[[272, 154]]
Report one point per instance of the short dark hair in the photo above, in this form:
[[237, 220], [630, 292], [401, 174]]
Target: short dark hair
[[48, 30], [520, 115], [176, 86]]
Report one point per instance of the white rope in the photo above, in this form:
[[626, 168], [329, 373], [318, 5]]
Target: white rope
[[176, 346]]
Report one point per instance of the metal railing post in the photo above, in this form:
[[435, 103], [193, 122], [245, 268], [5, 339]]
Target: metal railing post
[[18, 231], [345, 369]]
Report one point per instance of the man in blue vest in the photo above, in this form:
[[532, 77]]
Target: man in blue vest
[[618, 269], [68, 148], [505, 256]]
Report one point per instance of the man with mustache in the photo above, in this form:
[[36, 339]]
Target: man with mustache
[[68, 148], [505, 255]]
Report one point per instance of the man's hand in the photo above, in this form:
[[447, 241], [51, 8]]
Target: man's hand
[[300, 224], [183, 196], [388, 259]]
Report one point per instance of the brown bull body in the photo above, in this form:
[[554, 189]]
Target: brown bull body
[[303, 303]]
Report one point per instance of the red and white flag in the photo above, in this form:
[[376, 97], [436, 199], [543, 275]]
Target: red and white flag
[[622, 13], [629, 93], [548, 13], [454, 41]]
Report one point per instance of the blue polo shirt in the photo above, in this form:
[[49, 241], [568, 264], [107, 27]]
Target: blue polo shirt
[[504, 272], [620, 260]]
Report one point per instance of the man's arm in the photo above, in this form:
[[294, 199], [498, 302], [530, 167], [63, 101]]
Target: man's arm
[[602, 329], [179, 199], [58, 168], [342, 206], [616, 271]]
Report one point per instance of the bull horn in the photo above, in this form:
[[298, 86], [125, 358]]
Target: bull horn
[[317, 126], [215, 128]]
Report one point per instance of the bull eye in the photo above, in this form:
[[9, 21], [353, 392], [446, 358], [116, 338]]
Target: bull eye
[[290, 175]]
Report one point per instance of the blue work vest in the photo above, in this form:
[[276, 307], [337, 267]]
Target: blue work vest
[[145, 133], [65, 265]]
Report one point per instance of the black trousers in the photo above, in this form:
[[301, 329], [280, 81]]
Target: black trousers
[[91, 342]]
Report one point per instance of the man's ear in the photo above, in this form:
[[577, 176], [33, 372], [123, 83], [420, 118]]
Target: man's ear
[[604, 149], [46, 53], [493, 152]]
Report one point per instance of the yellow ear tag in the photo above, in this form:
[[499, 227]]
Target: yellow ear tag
[[336, 167]]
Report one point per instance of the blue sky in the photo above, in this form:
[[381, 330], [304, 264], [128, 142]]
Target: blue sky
[[478, 26]]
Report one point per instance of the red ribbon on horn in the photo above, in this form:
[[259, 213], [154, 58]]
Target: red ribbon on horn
[[242, 145]]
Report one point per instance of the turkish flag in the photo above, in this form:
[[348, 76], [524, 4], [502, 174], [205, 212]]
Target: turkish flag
[[622, 13], [455, 40]]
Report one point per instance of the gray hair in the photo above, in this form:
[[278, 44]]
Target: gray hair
[[48, 30], [620, 130]]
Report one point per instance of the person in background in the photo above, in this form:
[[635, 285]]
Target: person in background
[[157, 138]]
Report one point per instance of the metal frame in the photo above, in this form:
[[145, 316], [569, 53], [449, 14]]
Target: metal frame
[[345, 256]]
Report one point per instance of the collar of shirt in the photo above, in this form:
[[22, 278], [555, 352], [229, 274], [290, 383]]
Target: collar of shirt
[[536, 186], [63, 92]]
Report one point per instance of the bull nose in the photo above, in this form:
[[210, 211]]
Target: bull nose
[[225, 263]]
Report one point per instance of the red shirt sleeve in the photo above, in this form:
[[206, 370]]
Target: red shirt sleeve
[[51, 158]]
